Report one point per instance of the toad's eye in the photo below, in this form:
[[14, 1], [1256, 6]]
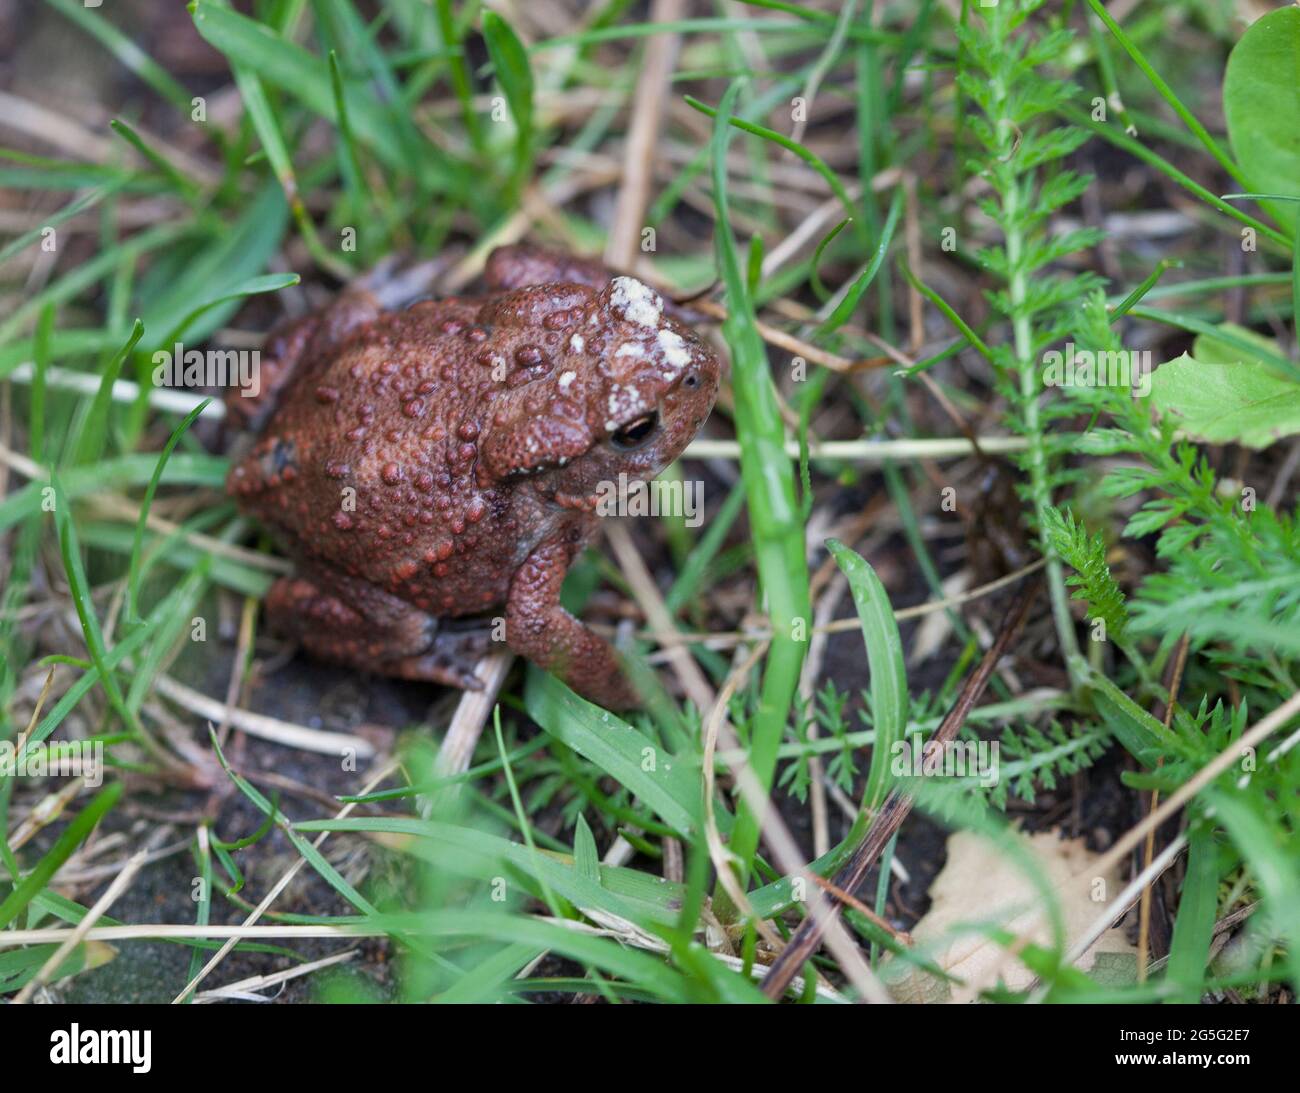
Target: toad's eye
[[636, 433]]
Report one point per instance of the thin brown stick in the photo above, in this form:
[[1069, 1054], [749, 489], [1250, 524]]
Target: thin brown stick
[[848, 898], [629, 559]]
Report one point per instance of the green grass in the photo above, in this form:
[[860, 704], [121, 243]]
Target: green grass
[[437, 128]]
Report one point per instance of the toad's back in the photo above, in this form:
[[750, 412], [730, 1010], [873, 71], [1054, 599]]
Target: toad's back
[[370, 462]]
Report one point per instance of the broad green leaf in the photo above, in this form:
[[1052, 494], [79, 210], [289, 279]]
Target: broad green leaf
[[1244, 402], [1261, 102]]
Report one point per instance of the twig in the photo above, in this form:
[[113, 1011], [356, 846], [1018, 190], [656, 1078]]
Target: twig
[[267, 728]]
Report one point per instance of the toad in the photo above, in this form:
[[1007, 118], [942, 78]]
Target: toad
[[433, 470]]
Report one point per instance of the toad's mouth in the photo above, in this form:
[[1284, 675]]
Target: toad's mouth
[[634, 434]]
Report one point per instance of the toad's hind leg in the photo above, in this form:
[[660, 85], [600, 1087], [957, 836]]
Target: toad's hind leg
[[376, 632]]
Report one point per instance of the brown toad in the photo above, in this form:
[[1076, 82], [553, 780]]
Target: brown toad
[[442, 461]]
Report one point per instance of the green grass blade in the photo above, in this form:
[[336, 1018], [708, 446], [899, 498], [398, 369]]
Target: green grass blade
[[1272, 862], [515, 75], [459, 72], [290, 67], [85, 201], [254, 286], [349, 161], [811, 158], [72, 837], [885, 664], [1189, 950], [137, 548], [1154, 159], [304, 847], [126, 51], [40, 362], [180, 181], [90, 444], [774, 513], [268, 131], [1166, 92], [79, 588], [844, 310], [668, 787]]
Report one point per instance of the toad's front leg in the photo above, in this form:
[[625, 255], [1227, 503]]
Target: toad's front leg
[[538, 628]]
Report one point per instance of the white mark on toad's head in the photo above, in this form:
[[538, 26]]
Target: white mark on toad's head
[[674, 349], [639, 303]]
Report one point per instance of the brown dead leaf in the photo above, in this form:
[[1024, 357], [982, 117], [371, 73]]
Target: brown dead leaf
[[981, 884]]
